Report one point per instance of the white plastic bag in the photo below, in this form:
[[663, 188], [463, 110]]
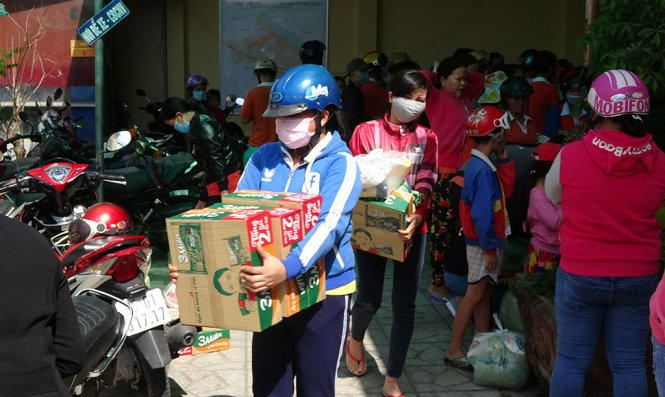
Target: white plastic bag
[[499, 359], [381, 171]]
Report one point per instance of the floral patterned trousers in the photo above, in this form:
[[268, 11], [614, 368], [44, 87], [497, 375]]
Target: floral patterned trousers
[[445, 224]]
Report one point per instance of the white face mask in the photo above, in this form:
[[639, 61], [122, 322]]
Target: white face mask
[[407, 110], [293, 131], [574, 99]]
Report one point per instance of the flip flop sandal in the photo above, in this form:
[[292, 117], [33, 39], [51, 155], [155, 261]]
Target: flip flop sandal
[[437, 298], [460, 363], [361, 364], [392, 395]]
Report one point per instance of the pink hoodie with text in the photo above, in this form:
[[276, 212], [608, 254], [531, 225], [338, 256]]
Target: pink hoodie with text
[[612, 186]]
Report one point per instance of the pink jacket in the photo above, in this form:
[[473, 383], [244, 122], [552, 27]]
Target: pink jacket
[[447, 116], [419, 142], [612, 186], [657, 316], [544, 218]]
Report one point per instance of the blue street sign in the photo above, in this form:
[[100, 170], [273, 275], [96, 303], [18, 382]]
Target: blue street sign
[[108, 17]]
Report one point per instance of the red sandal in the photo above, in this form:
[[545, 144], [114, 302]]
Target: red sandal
[[362, 364]]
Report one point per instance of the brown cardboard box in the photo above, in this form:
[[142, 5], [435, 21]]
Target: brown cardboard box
[[304, 290], [287, 224], [309, 204], [208, 247], [375, 225]]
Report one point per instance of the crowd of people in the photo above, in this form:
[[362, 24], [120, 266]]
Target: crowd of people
[[486, 140], [498, 153], [495, 155]]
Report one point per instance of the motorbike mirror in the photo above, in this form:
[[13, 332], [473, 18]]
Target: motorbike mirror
[[49, 101], [23, 116], [230, 98], [140, 92], [58, 94], [81, 122], [118, 140], [240, 101]]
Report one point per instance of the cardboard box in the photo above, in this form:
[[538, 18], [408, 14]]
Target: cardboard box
[[306, 289], [208, 247], [375, 225], [309, 204], [287, 224], [208, 341]]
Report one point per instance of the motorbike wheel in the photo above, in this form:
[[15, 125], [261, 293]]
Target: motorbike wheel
[[154, 382]]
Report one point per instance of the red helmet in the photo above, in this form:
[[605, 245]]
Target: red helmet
[[485, 120], [100, 219]]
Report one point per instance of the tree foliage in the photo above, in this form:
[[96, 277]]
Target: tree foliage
[[630, 35]]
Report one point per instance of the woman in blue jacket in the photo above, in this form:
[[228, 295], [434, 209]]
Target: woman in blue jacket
[[310, 157]]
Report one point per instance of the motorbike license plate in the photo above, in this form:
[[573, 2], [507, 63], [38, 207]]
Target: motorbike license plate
[[149, 312]]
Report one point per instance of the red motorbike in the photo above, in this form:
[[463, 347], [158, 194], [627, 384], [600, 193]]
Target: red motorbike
[[97, 253]]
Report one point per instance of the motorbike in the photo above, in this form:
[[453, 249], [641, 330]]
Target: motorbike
[[57, 133], [117, 265], [157, 188], [55, 194], [104, 322]]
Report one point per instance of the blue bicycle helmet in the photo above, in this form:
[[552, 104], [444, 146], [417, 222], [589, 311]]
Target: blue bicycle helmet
[[195, 79], [300, 88]]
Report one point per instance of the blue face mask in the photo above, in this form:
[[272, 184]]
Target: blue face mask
[[183, 128], [199, 95]]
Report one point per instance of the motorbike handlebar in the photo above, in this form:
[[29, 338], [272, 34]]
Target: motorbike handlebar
[[9, 186], [113, 179]]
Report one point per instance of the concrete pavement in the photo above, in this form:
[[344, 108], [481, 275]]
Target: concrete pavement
[[228, 373]]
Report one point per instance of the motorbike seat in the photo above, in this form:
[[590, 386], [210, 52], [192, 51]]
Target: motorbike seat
[[100, 325], [73, 253]]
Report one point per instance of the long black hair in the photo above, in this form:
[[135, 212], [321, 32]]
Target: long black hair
[[173, 105]]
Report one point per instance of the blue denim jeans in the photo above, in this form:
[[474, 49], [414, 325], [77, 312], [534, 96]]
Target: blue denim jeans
[[659, 365], [616, 306], [371, 269]]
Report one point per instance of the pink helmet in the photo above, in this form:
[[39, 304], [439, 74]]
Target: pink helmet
[[618, 92]]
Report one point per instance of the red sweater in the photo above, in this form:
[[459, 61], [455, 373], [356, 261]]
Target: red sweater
[[545, 95], [612, 186], [376, 99], [419, 142], [447, 116]]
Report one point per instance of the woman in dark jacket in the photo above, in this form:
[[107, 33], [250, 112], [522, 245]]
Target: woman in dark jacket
[[218, 154]]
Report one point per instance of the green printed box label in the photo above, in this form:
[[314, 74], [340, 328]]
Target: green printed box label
[[190, 249], [256, 194], [265, 308], [313, 283]]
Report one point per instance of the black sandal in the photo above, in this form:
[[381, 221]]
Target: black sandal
[[460, 363]]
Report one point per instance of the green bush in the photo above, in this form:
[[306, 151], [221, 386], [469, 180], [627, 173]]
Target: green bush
[[631, 35]]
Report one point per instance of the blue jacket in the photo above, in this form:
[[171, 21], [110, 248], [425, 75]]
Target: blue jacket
[[329, 170], [483, 201]]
